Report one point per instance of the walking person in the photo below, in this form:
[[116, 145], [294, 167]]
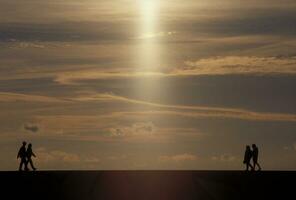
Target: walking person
[[247, 158], [29, 154], [22, 155], [255, 157]]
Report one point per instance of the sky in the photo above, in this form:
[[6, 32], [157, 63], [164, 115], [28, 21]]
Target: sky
[[148, 84]]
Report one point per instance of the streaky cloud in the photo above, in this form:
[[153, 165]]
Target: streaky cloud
[[14, 97], [196, 111], [240, 65], [219, 65]]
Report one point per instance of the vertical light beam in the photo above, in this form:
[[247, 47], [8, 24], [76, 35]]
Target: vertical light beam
[[149, 58]]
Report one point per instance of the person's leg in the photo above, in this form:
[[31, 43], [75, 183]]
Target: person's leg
[[21, 165], [32, 165], [29, 163], [254, 165], [249, 166], [252, 168], [26, 165], [259, 167]]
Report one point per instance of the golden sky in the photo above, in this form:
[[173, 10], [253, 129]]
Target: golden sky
[[148, 84]]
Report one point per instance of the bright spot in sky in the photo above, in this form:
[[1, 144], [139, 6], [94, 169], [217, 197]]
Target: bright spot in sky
[[149, 49], [149, 14], [155, 35], [149, 8]]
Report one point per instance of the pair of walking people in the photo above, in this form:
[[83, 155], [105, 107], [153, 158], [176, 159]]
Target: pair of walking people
[[251, 154], [25, 154]]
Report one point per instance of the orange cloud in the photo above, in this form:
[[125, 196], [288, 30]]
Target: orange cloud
[[239, 65], [10, 97], [178, 158]]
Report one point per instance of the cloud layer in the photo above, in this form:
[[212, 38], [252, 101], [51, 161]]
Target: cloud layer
[[108, 85]]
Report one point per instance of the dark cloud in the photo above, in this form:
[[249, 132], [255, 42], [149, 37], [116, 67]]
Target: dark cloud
[[31, 127], [223, 23], [65, 32], [233, 22], [140, 128]]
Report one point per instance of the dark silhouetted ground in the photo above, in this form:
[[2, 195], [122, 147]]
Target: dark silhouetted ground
[[152, 185]]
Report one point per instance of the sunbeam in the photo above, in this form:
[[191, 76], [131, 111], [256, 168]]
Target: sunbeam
[[149, 58]]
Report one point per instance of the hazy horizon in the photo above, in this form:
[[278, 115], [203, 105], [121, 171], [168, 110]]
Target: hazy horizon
[[147, 84]]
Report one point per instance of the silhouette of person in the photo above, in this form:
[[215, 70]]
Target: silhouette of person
[[255, 157], [247, 158], [29, 154], [22, 155]]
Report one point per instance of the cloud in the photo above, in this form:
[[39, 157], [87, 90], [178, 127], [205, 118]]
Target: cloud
[[178, 158], [119, 26], [234, 21], [224, 158], [60, 159], [14, 97], [220, 65], [137, 129], [114, 126], [239, 65], [195, 111], [82, 75], [288, 148], [156, 35], [45, 156], [92, 160], [65, 31], [31, 127], [25, 45]]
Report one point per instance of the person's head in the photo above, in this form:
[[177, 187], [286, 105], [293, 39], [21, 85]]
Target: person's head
[[30, 145], [24, 143], [248, 147], [253, 146]]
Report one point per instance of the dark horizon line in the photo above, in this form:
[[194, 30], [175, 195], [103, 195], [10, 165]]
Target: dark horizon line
[[144, 170]]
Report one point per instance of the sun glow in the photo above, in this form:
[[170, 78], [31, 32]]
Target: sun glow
[[149, 58], [149, 14]]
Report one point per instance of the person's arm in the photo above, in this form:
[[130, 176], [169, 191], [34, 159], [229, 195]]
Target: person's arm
[[33, 154], [18, 154]]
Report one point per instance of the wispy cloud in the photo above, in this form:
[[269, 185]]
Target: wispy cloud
[[137, 129], [240, 65], [82, 75], [14, 97], [178, 158], [196, 111], [224, 158], [45, 156]]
